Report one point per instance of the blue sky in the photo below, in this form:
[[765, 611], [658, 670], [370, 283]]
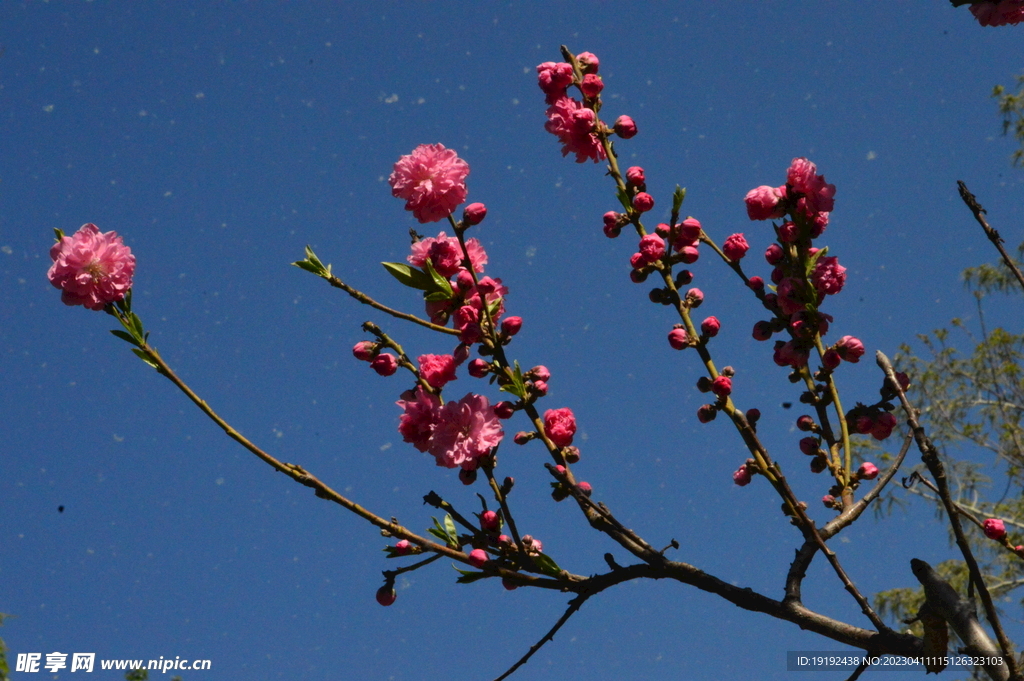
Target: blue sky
[[219, 139]]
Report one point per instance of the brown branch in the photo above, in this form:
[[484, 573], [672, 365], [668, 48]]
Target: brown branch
[[367, 300], [930, 456], [805, 554], [992, 234]]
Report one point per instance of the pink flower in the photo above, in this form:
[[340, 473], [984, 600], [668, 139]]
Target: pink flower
[[678, 339], [510, 325], [710, 327], [998, 13], [635, 176], [689, 254], [706, 413], [850, 349], [689, 233], [773, 255], [722, 386], [790, 298], [883, 426], [763, 203], [994, 528], [92, 268], [437, 370], [755, 284], [735, 247], [588, 61], [432, 180], [828, 276], [386, 595], [467, 323], [818, 195], [540, 372], [402, 547], [363, 350], [560, 426], [652, 247], [831, 359], [489, 521], [446, 255], [867, 471], [478, 368], [474, 213], [573, 124], [791, 354], [478, 558], [385, 364], [762, 331], [643, 202], [554, 78], [591, 85], [585, 487], [694, 297], [742, 476], [417, 423], [789, 233], [504, 410], [809, 446], [625, 127], [464, 431], [805, 423]]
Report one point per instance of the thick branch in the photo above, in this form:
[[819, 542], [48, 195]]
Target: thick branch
[[930, 456]]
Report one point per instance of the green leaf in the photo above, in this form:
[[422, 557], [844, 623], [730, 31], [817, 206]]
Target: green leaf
[[145, 358], [438, 533], [624, 200], [449, 526], [813, 260], [59, 233], [440, 283], [469, 576], [308, 266], [437, 295], [126, 337], [136, 324], [677, 198], [409, 276], [546, 565], [517, 386]]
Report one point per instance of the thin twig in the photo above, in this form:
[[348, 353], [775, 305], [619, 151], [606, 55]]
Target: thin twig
[[992, 234], [574, 605], [367, 300]]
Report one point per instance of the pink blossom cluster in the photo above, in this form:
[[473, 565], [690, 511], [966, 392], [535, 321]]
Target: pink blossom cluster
[[573, 122], [92, 268], [802, 274], [457, 434], [431, 180], [446, 255], [465, 309], [670, 244], [872, 421], [1005, 12]]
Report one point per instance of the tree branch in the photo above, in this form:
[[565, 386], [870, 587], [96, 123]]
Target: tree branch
[[992, 234]]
